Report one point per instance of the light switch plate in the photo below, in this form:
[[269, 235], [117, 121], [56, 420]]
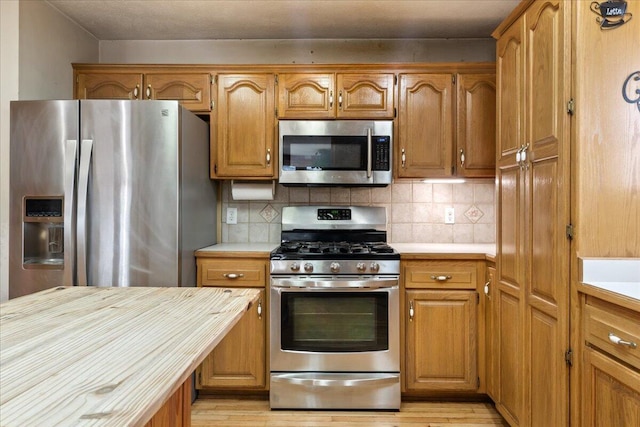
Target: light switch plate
[[449, 216], [232, 215]]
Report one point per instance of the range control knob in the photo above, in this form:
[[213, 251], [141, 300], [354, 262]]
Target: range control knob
[[361, 267], [295, 267], [308, 267], [335, 267], [375, 267]]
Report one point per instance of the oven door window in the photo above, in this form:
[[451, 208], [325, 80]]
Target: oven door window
[[324, 152], [335, 321]]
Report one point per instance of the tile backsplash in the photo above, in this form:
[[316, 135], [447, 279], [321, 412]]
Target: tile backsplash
[[415, 211]]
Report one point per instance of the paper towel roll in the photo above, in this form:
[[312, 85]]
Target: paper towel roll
[[253, 190]]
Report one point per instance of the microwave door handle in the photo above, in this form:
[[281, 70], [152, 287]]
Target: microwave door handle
[[369, 153]]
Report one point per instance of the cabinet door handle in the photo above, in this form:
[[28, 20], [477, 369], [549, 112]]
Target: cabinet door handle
[[441, 278], [617, 340], [136, 90], [461, 157], [260, 309], [411, 312], [340, 100], [404, 158], [268, 156], [149, 92], [233, 275], [486, 289], [331, 99]]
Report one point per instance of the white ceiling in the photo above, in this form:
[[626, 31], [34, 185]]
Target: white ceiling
[[285, 19]]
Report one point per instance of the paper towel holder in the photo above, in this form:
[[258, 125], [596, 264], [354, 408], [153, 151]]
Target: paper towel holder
[[253, 190]]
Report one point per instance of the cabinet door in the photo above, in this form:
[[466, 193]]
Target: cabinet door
[[611, 392], [508, 295], [365, 96], [239, 360], [490, 324], [303, 96], [547, 251], [425, 134], [245, 126], [192, 90], [441, 340], [476, 126], [109, 86]]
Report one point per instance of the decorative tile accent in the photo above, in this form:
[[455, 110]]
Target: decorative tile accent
[[269, 213], [474, 214]]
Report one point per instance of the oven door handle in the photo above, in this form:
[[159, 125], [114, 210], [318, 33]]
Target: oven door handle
[[335, 284], [318, 381]]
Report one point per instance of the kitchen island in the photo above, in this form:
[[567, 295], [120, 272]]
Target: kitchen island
[[109, 356]]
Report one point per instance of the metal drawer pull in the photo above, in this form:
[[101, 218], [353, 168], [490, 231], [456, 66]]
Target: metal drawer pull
[[617, 340], [440, 278], [233, 275]]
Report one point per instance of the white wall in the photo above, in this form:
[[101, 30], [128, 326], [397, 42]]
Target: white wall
[[8, 91], [296, 51], [38, 45]]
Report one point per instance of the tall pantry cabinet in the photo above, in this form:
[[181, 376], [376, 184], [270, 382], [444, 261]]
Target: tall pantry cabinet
[[531, 301]]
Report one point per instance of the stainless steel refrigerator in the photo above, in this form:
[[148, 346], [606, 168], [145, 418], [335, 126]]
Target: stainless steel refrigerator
[[107, 193]]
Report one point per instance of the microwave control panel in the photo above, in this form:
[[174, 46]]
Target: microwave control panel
[[381, 153]]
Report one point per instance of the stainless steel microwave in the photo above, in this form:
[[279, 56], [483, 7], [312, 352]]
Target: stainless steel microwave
[[336, 152]]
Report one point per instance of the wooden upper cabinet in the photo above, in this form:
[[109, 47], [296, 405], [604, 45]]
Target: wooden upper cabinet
[[365, 96], [193, 90], [425, 126], [302, 96], [109, 85], [510, 85], [339, 95], [244, 136], [476, 125]]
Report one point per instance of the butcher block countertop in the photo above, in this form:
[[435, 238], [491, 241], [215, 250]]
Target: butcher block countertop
[[90, 356]]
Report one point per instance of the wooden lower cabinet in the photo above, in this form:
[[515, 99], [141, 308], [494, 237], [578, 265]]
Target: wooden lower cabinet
[[176, 411], [490, 323], [441, 340], [610, 370], [611, 394], [441, 325], [239, 362]]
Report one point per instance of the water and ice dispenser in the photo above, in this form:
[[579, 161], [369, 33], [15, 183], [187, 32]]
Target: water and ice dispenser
[[43, 232]]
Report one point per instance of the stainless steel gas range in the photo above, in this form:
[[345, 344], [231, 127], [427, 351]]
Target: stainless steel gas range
[[334, 299]]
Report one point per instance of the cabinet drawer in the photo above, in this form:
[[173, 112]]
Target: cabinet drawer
[[439, 275], [233, 273], [604, 323]]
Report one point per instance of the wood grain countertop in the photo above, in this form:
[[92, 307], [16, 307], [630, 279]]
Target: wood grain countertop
[[90, 356]]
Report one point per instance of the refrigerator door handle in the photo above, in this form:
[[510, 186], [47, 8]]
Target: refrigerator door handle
[[83, 188], [70, 159]]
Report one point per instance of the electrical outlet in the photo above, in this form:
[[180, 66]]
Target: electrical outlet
[[232, 215], [449, 216]]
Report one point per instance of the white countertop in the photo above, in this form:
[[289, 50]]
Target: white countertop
[[403, 248], [446, 248], [240, 247], [618, 275]]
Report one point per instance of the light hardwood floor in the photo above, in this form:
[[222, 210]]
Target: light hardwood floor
[[208, 411]]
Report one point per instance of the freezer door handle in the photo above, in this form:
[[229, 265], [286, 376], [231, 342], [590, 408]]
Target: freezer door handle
[[83, 189], [70, 160]]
